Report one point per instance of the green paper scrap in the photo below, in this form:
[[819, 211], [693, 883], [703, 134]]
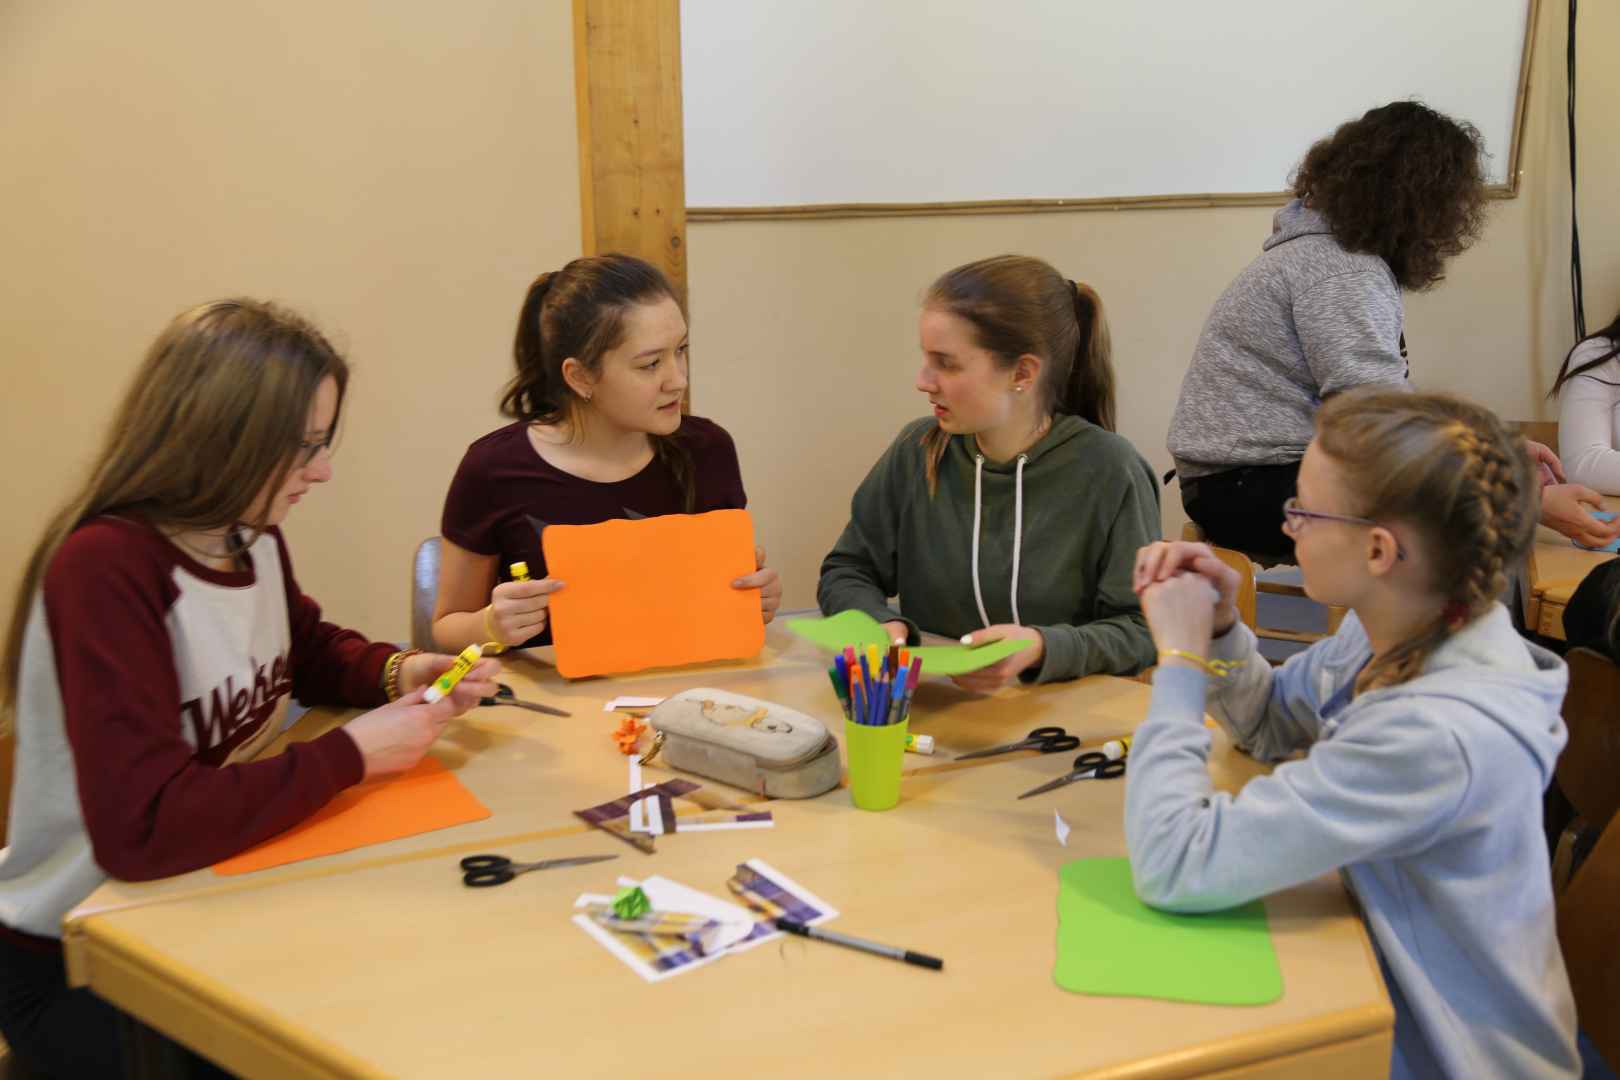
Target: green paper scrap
[[631, 903], [857, 628], [1110, 943]]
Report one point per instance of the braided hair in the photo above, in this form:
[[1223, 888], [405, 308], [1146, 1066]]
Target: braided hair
[[1453, 473]]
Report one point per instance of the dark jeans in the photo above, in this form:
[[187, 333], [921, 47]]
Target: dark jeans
[[1242, 508], [54, 1031], [63, 1033]]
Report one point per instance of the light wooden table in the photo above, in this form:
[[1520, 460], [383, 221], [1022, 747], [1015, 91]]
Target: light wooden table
[[381, 963], [1555, 569]]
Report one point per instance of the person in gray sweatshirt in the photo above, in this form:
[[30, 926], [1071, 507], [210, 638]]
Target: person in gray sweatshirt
[[1015, 511], [1378, 207], [1415, 743]]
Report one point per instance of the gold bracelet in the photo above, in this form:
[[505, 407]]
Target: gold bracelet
[[391, 672], [1218, 668]]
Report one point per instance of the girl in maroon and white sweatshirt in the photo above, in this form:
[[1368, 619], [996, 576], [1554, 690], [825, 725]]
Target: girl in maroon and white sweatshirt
[[154, 643]]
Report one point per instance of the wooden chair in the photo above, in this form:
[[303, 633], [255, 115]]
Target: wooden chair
[[1192, 532], [424, 593], [1589, 768], [1591, 948]]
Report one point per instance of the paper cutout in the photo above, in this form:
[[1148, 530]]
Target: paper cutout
[[652, 821], [612, 817], [426, 798], [1062, 829], [688, 928], [654, 592], [846, 628], [1110, 943], [1601, 515], [628, 701]]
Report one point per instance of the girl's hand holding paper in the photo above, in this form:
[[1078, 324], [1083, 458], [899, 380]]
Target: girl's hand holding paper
[[1002, 672], [767, 581]]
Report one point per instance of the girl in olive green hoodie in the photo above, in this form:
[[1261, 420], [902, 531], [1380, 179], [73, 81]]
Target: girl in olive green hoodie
[[1015, 512]]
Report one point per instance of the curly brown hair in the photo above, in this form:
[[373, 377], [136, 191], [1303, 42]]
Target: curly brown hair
[[1405, 183]]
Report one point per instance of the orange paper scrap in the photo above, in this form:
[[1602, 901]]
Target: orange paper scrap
[[426, 798], [654, 592]]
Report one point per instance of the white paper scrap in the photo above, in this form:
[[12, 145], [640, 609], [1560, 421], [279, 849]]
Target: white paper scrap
[[1062, 829], [626, 702]]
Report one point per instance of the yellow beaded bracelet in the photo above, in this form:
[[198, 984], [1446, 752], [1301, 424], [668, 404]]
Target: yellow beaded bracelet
[[1218, 668]]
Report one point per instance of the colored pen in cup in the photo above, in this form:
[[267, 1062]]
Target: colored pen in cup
[[921, 960]]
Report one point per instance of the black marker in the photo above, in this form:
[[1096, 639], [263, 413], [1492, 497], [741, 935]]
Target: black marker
[[792, 927]]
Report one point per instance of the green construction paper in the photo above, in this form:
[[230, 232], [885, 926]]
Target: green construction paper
[[847, 628], [1110, 943]]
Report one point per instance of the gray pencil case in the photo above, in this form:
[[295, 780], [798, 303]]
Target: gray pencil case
[[755, 745]]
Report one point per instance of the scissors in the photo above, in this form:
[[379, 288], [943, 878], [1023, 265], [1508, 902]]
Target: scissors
[[480, 871], [504, 696], [1048, 740], [1093, 764]]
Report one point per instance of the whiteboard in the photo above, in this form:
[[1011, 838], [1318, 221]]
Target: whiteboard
[[803, 102]]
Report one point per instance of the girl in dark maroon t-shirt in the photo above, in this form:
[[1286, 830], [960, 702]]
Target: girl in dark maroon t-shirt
[[598, 434]]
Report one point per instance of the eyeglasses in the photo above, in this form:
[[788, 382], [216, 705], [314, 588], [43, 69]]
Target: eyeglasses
[[1295, 516], [308, 451]]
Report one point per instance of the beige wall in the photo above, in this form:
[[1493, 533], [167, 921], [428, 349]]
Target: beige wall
[[399, 171], [804, 333]]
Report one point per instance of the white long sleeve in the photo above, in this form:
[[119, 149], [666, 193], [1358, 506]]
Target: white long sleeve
[[1589, 420]]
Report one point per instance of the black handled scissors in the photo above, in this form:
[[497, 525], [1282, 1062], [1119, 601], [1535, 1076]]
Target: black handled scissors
[[1048, 740], [504, 696], [480, 871], [1093, 764]]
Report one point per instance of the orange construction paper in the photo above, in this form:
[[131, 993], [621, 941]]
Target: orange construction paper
[[653, 592], [426, 798]]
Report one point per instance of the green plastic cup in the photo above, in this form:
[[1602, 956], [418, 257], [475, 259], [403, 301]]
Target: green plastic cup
[[875, 757]]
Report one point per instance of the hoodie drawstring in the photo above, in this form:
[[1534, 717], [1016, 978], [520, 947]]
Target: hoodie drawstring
[[1018, 533]]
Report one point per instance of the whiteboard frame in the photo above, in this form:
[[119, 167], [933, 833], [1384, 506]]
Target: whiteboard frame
[[821, 211]]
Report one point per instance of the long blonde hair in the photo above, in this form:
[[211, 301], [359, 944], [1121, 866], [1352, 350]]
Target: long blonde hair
[[213, 416], [1017, 304], [1450, 471]]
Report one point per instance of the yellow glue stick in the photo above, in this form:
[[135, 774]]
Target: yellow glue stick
[[520, 571], [1114, 749], [919, 744], [458, 670]]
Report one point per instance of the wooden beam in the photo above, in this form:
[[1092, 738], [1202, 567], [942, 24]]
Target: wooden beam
[[627, 76]]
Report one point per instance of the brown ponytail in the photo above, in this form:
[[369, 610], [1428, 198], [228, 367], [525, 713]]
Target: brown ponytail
[[579, 312], [1019, 305], [1089, 391], [1452, 473]]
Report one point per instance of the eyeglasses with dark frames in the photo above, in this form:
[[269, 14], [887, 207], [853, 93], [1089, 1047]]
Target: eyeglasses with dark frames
[[1295, 516]]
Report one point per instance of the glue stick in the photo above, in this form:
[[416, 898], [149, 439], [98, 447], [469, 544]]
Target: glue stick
[[520, 571], [919, 744], [1114, 749], [447, 682]]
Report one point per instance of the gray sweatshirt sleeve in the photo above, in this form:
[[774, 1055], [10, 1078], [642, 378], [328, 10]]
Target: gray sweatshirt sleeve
[[862, 570], [1349, 327], [1382, 788], [1118, 641]]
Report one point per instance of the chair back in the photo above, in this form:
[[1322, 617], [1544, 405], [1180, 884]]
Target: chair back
[[424, 593], [1589, 768], [1246, 589], [1591, 947]]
